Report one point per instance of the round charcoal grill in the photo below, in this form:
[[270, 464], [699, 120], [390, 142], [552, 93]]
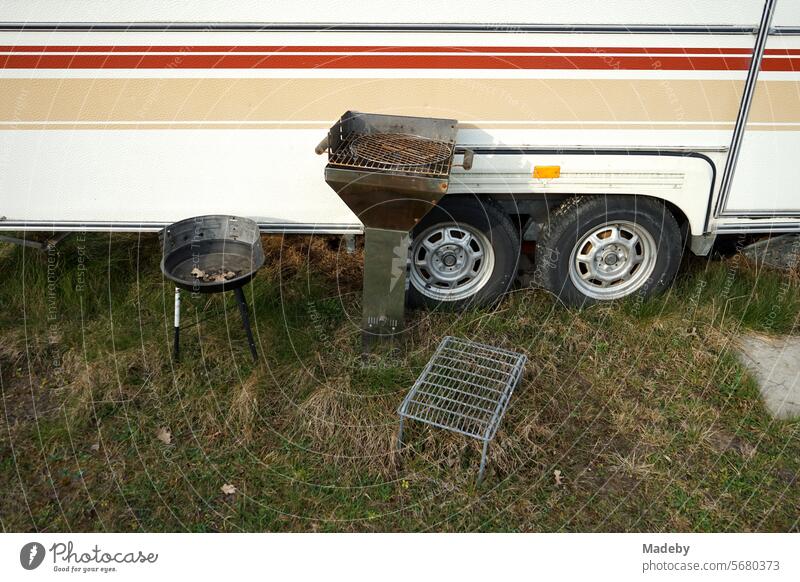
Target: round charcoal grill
[[211, 254], [201, 253], [400, 149]]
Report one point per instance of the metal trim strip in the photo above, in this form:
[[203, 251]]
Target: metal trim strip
[[267, 228], [752, 213], [785, 30], [770, 227], [358, 27]]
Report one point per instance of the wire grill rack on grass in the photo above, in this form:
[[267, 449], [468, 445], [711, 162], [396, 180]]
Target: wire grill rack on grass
[[465, 388]]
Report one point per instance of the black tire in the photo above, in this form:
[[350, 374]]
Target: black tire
[[580, 216], [501, 234]]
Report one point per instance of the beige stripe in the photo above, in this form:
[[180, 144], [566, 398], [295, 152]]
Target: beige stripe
[[277, 100], [776, 101]]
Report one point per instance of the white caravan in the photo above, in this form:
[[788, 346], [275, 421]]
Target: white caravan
[[606, 132]]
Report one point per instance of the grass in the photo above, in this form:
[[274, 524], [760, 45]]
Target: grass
[[641, 407]]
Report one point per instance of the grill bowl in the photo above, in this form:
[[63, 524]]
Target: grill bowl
[[211, 243]]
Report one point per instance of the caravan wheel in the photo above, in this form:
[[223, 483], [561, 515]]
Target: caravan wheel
[[600, 248], [464, 252]]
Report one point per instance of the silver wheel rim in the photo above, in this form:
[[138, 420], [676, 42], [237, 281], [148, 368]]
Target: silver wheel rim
[[450, 262], [613, 260]]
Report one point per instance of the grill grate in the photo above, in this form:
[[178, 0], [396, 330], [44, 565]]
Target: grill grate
[[394, 152], [399, 149], [465, 388]]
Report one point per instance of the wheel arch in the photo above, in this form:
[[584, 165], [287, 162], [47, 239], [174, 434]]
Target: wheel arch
[[684, 181]]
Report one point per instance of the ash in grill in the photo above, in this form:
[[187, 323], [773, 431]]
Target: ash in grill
[[394, 152]]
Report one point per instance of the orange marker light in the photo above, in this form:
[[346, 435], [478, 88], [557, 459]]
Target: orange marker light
[[547, 171]]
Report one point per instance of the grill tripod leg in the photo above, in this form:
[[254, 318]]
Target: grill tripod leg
[[176, 342], [243, 311]]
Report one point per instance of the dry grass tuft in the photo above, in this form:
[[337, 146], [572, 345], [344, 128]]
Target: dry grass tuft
[[721, 442], [350, 429], [633, 464], [116, 379], [324, 255], [244, 406]]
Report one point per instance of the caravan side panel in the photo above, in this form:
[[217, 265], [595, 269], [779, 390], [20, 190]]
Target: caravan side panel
[[136, 126]]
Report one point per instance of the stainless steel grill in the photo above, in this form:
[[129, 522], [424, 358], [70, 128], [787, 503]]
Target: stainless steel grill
[[394, 152], [465, 387], [390, 170]]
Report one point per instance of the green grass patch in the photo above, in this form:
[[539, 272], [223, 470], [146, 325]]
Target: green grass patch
[[635, 416]]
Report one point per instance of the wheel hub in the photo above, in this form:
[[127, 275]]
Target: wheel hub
[[611, 259], [450, 258]]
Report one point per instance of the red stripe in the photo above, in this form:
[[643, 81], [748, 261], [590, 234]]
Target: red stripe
[[780, 65], [378, 49], [363, 61]]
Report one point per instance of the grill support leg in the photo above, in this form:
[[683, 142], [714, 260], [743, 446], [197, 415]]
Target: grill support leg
[[483, 461], [400, 436], [244, 312], [384, 295], [176, 342]]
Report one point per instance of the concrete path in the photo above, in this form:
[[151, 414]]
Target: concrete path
[[775, 362], [778, 252]]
